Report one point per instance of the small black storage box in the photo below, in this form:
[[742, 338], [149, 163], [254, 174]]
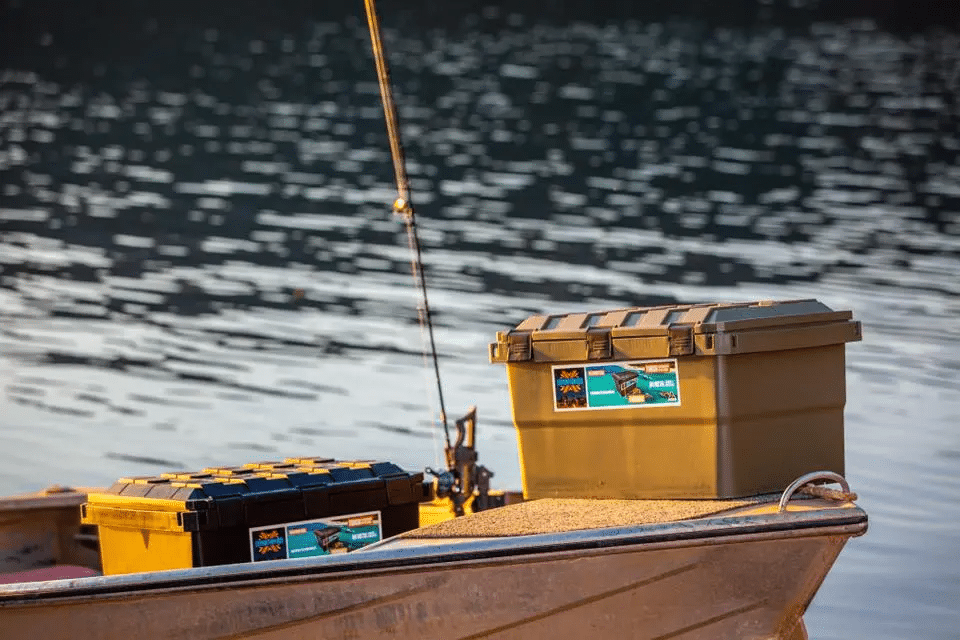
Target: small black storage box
[[297, 508]]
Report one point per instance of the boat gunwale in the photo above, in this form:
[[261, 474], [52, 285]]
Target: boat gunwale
[[849, 521], [47, 500]]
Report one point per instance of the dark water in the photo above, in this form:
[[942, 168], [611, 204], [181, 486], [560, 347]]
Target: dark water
[[198, 265]]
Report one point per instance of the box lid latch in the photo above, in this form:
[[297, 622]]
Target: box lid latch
[[511, 347], [680, 339], [599, 345]]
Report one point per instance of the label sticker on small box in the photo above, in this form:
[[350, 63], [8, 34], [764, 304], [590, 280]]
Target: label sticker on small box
[[616, 385], [320, 537]]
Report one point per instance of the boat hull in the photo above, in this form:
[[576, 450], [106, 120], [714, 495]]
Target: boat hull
[[723, 578], [42, 530]]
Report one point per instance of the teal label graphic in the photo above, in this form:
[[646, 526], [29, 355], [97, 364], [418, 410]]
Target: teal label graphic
[[334, 534], [616, 385]]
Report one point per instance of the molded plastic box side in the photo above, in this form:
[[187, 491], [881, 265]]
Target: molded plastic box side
[[779, 416], [641, 452]]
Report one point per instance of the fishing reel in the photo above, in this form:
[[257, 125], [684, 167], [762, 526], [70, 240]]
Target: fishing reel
[[464, 479]]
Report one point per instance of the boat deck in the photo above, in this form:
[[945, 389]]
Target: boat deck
[[555, 515]]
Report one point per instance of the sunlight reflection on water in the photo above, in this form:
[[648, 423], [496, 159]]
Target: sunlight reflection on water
[[206, 272]]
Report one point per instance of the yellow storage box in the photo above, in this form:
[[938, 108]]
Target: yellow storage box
[[297, 508], [685, 401]]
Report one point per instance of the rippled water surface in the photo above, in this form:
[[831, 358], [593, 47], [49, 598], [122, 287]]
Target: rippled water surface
[[198, 265]]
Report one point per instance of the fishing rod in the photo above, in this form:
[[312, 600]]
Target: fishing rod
[[402, 206]]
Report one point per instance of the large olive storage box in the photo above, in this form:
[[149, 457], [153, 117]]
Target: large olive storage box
[[686, 401], [297, 508]]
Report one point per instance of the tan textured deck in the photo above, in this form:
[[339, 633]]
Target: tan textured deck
[[552, 515]]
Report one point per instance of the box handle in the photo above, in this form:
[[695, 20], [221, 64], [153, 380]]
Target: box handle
[[132, 518]]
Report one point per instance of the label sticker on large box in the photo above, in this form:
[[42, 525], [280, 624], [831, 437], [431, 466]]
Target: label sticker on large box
[[320, 537], [616, 385]]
